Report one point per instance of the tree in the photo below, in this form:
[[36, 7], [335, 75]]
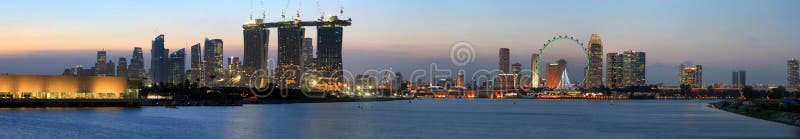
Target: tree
[[686, 90], [797, 94], [748, 92], [777, 93]]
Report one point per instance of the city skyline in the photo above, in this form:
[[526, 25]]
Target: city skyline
[[719, 48]]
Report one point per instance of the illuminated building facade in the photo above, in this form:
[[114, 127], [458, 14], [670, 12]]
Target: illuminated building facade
[[65, 87], [614, 70], [459, 79], [213, 60], [633, 68], [516, 68], [100, 65], [235, 72], [691, 75], [595, 68], [329, 56], [256, 46], [535, 70], [290, 55], [329, 49], [554, 73]]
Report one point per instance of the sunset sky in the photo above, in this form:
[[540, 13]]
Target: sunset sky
[[46, 36]]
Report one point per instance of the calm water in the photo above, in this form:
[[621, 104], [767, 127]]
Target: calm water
[[398, 119]]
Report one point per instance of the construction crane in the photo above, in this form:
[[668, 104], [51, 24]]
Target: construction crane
[[341, 7], [321, 12], [263, 10], [283, 12]]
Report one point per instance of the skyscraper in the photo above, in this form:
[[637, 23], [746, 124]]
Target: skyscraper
[[256, 40], [196, 72], [110, 68], [329, 50], [516, 68], [535, 70], [290, 55], [177, 64], [691, 76], [213, 59], [159, 60], [633, 68], [594, 70], [503, 61], [308, 53], [136, 69], [793, 74], [739, 79], [122, 67], [614, 70], [100, 65]]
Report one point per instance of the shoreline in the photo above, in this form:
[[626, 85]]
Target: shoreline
[[747, 108]]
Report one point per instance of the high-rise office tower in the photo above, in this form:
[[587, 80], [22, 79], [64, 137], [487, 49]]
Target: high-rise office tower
[[213, 59], [290, 55], [329, 50], [594, 70], [110, 68], [535, 70], [516, 68], [122, 67], [308, 53], [739, 79], [614, 70], [195, 73], [100, 65], [256, 40], [136, 69], [503, 60], [177, 64], [633, 68], [793, 73], [159, 61], [691, 76]]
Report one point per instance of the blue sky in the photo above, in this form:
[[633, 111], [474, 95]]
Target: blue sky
[[723, 35]]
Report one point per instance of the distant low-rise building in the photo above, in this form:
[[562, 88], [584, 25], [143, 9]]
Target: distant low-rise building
[[66, 87]]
